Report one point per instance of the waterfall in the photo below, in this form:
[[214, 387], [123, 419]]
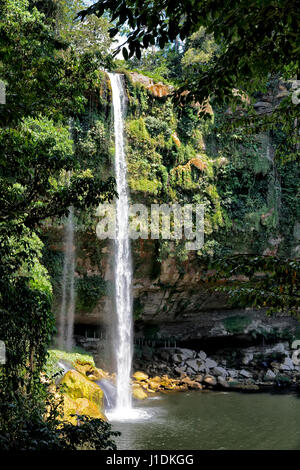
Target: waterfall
[[67, 308], [122, 257]]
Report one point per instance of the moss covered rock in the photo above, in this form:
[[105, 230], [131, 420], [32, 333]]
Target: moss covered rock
[[138, 392], [88, 408], [77, 386], [87, 369], [140, 376]]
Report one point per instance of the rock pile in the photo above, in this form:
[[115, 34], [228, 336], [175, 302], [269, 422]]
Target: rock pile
[[249, 369]]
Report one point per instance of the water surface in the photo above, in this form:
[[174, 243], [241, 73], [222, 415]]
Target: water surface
[[214, 420]]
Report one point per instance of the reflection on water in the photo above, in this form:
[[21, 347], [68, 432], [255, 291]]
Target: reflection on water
[[213, 420]]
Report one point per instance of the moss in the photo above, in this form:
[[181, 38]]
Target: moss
[[145, 185], [137, 308], [75, 386], [89, 290], [236, 324], [55, 355], [136, 129]]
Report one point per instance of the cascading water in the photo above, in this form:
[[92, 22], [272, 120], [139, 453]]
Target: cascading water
[[122, 258], [67, 309]]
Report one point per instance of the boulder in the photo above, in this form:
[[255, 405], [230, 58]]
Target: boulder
[[180, 371], [270, 375], [245, 373], [210, 363], [210, 380], [140, 376], [192, 384], [233, 373], [87, 369], [199, 378], [223, 382], [69, 409], [202, 355], [154, 385], [75, 385], [186, 353], [280, 348], [288, 364], [177, 358], [195, 364], [220, 371], [87, 408], [138, 392]]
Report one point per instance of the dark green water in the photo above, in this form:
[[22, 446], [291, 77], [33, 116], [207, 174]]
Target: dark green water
[[215, 420]]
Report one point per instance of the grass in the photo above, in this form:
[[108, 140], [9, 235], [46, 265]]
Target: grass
[[55, 355]]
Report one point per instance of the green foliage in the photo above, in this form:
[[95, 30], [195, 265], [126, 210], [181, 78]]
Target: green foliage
[[36, 424], [236, 324], [89, 291], [54, 355], [273, 283], [46, 85], [231, 47]]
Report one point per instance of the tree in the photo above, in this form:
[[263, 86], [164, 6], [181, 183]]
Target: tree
[[47, 84], [256, 40], [234, 51]]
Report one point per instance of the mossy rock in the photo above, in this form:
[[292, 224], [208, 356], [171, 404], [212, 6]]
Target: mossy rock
[[87, 408], [69, 410], [77, 386], [80, 406], [140, 376], [87, 369], [139, 393]]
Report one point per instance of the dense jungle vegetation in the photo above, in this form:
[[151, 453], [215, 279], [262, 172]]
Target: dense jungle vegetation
[[201, 141]]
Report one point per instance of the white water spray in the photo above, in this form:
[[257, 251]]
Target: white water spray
[[67, 308], [122, 259]]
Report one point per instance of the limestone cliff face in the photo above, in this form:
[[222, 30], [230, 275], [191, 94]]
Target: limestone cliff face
[[174, 157]]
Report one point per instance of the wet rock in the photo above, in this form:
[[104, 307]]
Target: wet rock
[[87, 369], [210, 363], [186, 353], [140, 376], [177, 358], [245, 373], [210, 380], [280, 348], [202, 355], [192, 384], [77, 386], [138, 393], [195, 365], [87, 408], [223, 382], [287, 365], [220, 371], [179, 371], [233, 373], [199, 378], [270, 375]]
